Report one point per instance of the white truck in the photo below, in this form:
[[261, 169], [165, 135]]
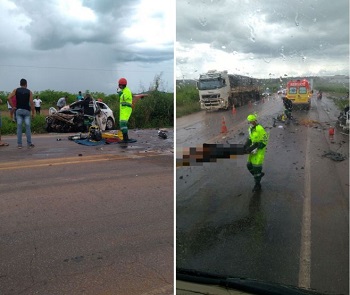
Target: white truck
[[220, 90]]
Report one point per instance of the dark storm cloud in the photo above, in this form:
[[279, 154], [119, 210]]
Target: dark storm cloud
[[143, 56], [84, 44], [51, 28], [306, 27]]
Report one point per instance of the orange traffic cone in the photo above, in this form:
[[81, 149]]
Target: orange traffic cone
[[233, 110], [223, 126]]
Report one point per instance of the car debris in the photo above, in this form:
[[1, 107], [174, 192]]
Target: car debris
[[162, 134], [80, 116], [338, 157]]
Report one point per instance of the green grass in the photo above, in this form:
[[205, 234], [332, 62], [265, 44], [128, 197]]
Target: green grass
[[154, 111], [187, 100]]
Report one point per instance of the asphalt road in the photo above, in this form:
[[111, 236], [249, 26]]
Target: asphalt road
[[87, 219], [296, 231]]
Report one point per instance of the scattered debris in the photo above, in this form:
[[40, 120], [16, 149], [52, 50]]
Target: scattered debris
[[162, 134], [334, 156]]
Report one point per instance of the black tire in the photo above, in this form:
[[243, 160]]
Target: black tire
[[109, 124]]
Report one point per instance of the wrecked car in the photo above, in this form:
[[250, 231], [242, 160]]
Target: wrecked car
[[79, 116]]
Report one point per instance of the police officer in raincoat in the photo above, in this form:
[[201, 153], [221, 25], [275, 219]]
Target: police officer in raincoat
[[255, 146], [125, 99]]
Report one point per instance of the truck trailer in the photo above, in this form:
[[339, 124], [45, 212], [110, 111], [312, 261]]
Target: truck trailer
[[220, 90]]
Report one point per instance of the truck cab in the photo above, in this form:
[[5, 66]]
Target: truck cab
[[214, 90]]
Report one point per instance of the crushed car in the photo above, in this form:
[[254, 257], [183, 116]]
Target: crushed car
[[79, 116]]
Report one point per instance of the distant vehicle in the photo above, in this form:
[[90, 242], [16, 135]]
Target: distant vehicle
[[220, 90], [300, 93], [79, 116]]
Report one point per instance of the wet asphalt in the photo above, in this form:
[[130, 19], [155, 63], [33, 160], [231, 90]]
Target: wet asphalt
[[295, 231]]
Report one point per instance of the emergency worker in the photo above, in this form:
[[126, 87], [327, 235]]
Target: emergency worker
[[125, 100], [255, 146], [288, 107]]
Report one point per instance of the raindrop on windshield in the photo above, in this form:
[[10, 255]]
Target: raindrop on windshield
[[234, 52], [296, 20], [223, 47], [267, 60], [203, 21]]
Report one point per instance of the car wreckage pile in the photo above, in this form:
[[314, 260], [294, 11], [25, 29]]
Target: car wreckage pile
[[77, 117]]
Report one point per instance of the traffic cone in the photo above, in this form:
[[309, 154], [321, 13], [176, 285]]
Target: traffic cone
[[233, 110], [223, 126]]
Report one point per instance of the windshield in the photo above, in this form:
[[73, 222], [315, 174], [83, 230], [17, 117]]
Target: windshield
[[210, 84], [269, 202], [292, 90], [302, 90]]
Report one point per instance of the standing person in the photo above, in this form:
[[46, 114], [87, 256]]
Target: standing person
[[288, 107], [37, 103], [62, 102], [255, 146], [2, 143], [125, 100], [25, 104], [80, 96]]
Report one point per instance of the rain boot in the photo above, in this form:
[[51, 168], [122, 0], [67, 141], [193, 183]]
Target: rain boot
[[257, 187], [125, 137]]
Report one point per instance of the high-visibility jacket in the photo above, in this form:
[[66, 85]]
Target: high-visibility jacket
[[125, 104], [258, 135]]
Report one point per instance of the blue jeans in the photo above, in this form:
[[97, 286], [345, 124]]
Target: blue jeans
[[23, 115]]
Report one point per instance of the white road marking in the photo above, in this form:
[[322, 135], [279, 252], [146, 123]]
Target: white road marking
[[305, 248]]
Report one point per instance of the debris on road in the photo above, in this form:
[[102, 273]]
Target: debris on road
[[334, 156], [162, 134]]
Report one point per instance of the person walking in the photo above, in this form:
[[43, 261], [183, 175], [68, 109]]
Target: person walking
[[37, 104], [24, 105], [288, 107], [62, 102], [255, 146], [125, 100]]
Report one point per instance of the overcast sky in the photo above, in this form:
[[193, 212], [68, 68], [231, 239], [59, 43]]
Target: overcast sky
[[262, 39], [72, 45]]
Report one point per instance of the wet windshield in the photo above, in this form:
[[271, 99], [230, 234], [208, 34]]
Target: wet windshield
[[210, 84], [266, 202]]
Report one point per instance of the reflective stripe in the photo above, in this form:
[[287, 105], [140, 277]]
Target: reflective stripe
[[126, 104]]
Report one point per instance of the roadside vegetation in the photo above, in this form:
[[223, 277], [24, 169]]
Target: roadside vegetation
[[338, 92], [187, 100], [187, 97], [154, 111]]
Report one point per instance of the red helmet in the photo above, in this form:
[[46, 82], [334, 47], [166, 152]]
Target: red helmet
[[122, 81]]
